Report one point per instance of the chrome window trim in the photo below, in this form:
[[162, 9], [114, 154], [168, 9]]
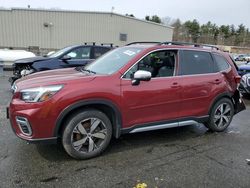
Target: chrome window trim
[[162, 49], [205, 74]]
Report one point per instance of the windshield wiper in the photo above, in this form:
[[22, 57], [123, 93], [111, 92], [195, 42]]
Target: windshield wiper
[[89, 71], [82, 69]]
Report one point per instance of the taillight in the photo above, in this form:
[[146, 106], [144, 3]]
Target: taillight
[[237, 79]]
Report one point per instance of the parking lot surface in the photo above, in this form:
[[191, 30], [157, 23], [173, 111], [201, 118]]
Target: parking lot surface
[[188, 156]]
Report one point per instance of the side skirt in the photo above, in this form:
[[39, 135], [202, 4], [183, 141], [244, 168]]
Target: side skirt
[[165, 124]]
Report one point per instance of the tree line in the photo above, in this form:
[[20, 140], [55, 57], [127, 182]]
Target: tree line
[[209, 33]]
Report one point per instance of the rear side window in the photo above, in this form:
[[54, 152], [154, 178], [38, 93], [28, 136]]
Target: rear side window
[[220, 63], [195, 62]]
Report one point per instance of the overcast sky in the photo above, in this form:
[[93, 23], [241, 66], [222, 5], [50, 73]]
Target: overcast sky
[[218, 11]]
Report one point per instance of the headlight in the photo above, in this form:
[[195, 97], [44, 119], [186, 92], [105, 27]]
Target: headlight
[[39, 94], [13, 88]]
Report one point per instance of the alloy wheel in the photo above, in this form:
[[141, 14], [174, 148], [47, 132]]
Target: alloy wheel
[[222, 115], [89, 135]]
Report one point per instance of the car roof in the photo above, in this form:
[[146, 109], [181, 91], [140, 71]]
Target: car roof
[[174, 44], [164, 46], [92, 45]]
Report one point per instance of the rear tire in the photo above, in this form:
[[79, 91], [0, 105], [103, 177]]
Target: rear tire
[[87, 134], [221, 115]]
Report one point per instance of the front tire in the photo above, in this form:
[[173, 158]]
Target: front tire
[[87, 134], [221, 115]]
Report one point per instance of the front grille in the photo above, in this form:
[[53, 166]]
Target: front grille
[[24, 125]]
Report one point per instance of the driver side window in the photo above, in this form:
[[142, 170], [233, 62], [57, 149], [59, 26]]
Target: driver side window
[[80, 53], [160, 64]]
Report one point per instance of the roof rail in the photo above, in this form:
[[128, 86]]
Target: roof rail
[[189, 44], [109, 44], [151, 42], [92, 43]]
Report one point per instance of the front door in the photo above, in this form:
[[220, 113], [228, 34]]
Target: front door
[[79, 56], [154, 100]]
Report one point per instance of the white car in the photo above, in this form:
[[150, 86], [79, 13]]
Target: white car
[[247, 58], [9, 56]]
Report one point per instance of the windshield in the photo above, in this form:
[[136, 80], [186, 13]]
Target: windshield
[[60, 52], [113, 60]]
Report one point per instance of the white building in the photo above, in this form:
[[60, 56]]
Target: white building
[[54, 29]]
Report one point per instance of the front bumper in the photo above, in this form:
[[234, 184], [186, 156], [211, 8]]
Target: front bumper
[[13, 79], [38, 121]]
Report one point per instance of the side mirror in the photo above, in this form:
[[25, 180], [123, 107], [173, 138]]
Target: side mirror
[[141, 75], [66, 57]]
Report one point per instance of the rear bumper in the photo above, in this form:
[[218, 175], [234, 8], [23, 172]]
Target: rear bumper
[[239, 104]]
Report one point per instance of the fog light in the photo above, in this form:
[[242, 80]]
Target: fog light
[[24, 125]]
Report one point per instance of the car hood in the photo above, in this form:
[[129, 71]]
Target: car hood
[[31, 60], [58, 76], [244, 67]]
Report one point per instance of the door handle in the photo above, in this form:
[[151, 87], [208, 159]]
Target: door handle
[[217, 81], [175, 85]]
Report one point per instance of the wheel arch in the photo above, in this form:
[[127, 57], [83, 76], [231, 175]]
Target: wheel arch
[[221, 96], [106, 106]]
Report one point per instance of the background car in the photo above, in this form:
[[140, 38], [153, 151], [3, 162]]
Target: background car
[[244, 69], [71, 56], [247, 58], [245, 85], [9, 56], [242, 57]]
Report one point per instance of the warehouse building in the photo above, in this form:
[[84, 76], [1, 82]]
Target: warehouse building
[[54, 29]]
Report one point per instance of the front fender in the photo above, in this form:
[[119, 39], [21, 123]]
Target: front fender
[[84, 103]]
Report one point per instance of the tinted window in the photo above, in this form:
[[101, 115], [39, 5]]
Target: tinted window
[[60, 52], [195, 62], [80, 53], [98, 51], [160, 64], [220, 62]]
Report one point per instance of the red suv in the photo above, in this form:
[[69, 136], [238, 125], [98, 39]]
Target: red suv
[[139, 87]]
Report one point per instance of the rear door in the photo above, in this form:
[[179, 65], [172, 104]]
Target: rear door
[[200, 81]]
